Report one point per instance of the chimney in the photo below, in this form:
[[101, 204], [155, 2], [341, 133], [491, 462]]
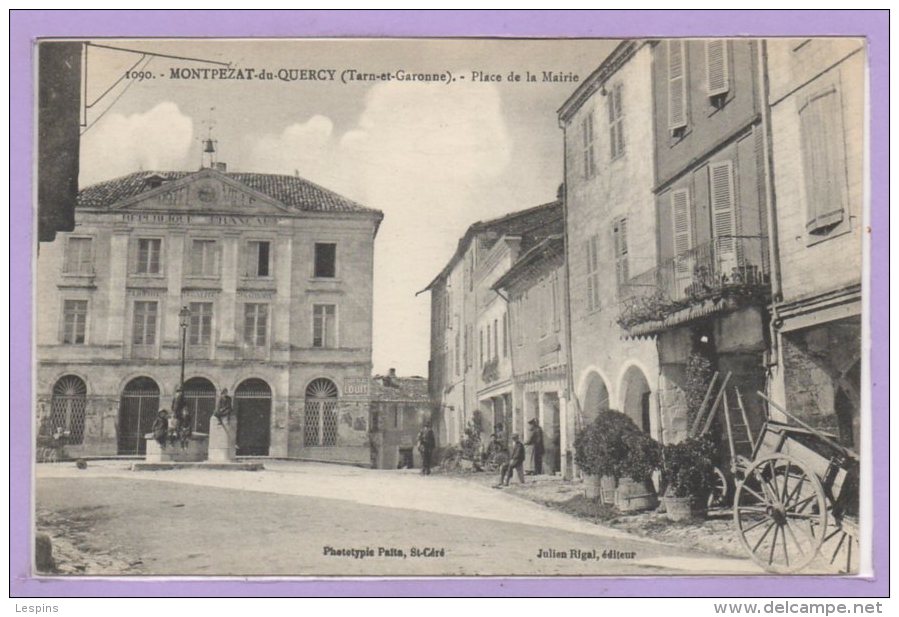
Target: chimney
[[390, 380], [220, 166]]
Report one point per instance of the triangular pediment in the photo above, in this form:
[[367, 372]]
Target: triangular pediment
[[205, 191]]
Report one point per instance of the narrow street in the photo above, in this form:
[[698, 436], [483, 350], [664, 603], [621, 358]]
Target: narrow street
[[306, 519]]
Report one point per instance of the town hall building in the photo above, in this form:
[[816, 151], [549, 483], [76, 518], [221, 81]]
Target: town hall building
[[264, 281]]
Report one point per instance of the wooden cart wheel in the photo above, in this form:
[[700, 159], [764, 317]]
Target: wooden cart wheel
[[719, 494], [840, 545], [780, 511]]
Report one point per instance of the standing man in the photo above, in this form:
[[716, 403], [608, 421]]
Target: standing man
[[515, 463], [178, 404], [535, 440], [223, 409], [426, 445]]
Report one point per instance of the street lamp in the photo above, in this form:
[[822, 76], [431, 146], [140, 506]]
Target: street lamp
[[183, 321]]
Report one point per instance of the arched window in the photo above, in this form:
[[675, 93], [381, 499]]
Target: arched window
[[320, 418], [67, 409]]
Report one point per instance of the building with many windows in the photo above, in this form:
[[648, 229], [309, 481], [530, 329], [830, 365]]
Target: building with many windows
[[612, 228], [271, 277], [534, 289], [471, 380], [705, 298]]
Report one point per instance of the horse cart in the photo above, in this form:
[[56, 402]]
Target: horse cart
[[795, 501], [797, 498]]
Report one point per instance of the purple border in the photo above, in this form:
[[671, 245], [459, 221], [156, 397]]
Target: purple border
[[26, 25]]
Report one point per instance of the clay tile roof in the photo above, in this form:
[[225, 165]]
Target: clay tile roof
[[291, 191], [406, 389]]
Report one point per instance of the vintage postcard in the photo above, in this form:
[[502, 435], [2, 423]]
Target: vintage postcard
[[451, 307]]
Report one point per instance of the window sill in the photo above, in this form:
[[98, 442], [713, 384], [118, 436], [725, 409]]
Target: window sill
[[90, 274], [202, 277]]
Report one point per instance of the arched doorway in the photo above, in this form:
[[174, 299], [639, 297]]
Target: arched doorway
[[253, 406], [199, 398], [596, 396], [636, 398], [320, 416], [67, 409], [137, 410]]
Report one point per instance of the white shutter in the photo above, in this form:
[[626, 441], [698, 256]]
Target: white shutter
[[824, 160], [683, 240], [621, 266], [717, 76], [677, 91], [724, 224]]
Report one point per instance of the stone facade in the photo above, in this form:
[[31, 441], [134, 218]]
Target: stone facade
[[611, 226], [278, 274], [535, 287], [817, 102], [469, 375]]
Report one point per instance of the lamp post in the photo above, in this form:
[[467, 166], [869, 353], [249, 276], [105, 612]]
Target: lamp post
[[183, 321]]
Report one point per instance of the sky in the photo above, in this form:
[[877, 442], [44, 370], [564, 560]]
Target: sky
[[434, 157]]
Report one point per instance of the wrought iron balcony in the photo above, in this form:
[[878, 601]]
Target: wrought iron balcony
[[727, 268]]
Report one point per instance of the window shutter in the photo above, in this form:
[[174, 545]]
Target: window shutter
[[824, 160], [680, 210], [677, 92], [621, 269], [717, 77], [619, 125], [721, 190], [613, 127]]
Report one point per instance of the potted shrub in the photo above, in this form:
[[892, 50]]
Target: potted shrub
[[635, 489], [602, 449], [688, 472]]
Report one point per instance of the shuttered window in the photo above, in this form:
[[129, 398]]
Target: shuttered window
[[824, 160], [557, 313], [683, 237], [616, 122], [677, 85], [505, 334], [717, 75], [591, 246], [481, 347], [724, 223], [587, 140], [619, 232]]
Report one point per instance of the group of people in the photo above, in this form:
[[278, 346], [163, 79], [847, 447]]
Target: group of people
[[513, 462], [176, 428], [507, 462]]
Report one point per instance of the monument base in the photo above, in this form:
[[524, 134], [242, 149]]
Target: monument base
[[174, 453], [222, 440]]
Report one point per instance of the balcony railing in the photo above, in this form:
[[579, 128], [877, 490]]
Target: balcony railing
[[728, 266]]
